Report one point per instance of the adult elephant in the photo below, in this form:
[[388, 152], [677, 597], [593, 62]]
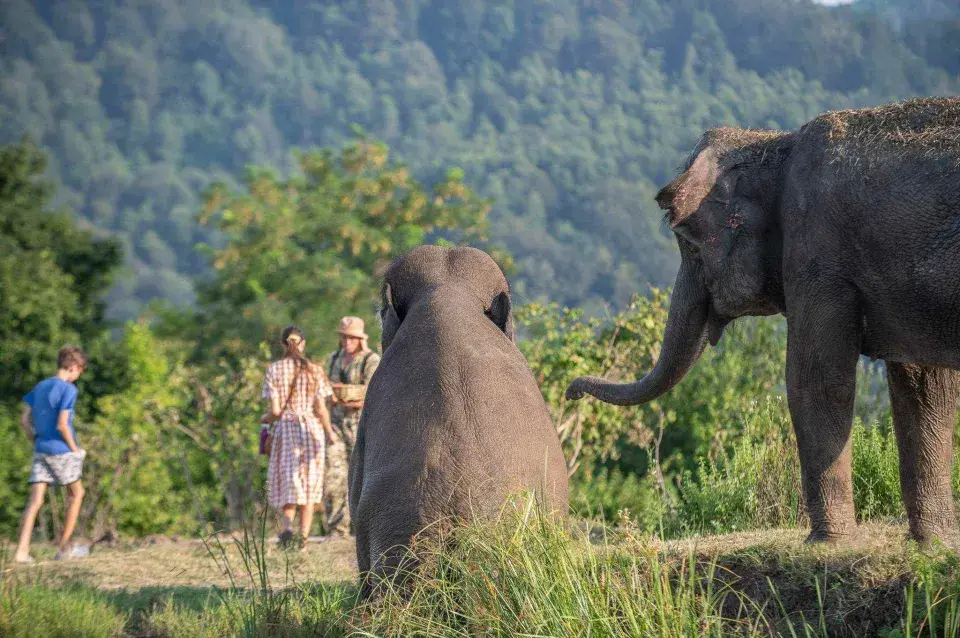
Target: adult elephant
[[850, 227], [454, 421]]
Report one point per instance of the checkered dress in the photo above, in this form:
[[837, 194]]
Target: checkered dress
[[295, 474]]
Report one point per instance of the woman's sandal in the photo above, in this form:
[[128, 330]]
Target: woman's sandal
[[286, 539]]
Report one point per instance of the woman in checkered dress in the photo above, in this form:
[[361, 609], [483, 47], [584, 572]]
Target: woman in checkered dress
[[297, 390]]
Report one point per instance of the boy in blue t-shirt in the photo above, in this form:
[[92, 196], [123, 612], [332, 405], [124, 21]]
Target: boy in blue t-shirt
[[47, 420]]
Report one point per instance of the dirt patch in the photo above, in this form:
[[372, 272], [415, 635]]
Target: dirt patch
[[188, 563]]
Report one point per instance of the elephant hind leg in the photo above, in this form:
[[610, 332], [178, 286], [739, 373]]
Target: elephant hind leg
[[383, 555], [363, 558], [924, 402]]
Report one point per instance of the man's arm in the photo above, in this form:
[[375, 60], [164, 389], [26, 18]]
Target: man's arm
[[26, 422], [373, 360], [332, 400], [63, 427]]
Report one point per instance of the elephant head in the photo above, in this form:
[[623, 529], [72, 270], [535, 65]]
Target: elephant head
[[723, 210], [468, 275]]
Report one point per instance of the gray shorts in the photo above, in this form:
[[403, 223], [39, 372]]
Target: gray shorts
[[61, 469]]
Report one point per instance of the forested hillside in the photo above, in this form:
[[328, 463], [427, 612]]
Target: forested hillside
[[568, 114]]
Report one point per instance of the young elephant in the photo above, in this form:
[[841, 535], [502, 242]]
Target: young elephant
[[851, 228], [453, 421]]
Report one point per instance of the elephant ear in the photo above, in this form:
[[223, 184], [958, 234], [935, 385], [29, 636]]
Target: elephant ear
[[390, 318], [683, 196], [501, 314]]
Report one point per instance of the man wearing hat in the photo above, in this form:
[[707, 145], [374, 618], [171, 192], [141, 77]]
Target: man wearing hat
[[352, 365]]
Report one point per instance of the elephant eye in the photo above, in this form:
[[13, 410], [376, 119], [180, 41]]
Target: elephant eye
[[686, 240], [683, 232]]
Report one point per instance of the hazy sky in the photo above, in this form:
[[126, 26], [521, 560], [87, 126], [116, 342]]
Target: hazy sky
[[833, 2]]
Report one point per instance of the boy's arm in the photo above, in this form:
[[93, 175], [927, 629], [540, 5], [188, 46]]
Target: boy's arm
[[26, 422], [63, 427]]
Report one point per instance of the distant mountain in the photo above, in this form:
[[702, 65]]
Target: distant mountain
[[568, 113], [929, 28], [901, 12]]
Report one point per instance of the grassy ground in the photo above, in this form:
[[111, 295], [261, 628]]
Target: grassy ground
[[520, 578], [855, 588]]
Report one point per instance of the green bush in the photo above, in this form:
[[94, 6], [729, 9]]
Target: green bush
[[612, 494], [704, 415], [758, 485]]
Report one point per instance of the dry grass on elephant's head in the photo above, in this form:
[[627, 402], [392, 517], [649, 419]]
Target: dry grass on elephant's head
[[931, 125]]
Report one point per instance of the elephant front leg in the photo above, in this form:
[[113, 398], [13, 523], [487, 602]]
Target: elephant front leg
[[822, 353], [924, 403]]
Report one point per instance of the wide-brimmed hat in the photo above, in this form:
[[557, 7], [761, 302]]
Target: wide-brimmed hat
[[352, 327]]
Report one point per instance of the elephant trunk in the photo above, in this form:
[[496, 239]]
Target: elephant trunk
[[688, 327]]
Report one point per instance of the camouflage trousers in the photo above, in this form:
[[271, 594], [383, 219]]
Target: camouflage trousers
[[336, 504]]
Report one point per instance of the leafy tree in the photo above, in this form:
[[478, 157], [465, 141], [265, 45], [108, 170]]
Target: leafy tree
[[53, 276], [309, 249]]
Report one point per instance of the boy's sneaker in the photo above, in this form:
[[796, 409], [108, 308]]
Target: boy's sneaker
[[73, 551], [286, 538]]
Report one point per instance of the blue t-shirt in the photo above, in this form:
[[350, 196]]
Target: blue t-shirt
[[47, 399]]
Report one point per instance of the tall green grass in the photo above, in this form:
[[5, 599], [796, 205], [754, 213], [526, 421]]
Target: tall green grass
[[29, 609], [526, 575], [757, 486], [256, 607]]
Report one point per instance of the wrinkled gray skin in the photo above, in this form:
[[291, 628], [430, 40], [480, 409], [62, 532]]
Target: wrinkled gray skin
[[454, 421], [850, 227]]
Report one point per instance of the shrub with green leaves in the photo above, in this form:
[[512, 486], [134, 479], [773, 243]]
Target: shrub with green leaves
[[609, 494], [756, 486], [702, 416]]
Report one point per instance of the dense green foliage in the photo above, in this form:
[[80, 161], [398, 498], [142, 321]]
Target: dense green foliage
[[567, 114], [696, 419], [53, 275]]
